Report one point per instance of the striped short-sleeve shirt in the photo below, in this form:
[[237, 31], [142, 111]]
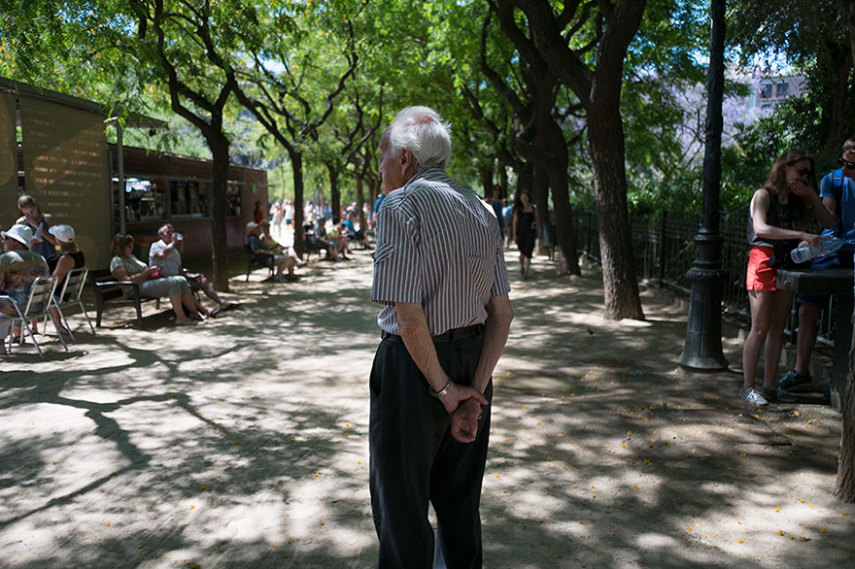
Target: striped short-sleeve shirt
[[438, 245]]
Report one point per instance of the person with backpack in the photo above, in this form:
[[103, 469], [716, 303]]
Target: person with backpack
[[837, 191]]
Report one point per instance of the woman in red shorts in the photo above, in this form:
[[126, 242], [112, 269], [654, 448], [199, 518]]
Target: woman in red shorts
[[778, 216]]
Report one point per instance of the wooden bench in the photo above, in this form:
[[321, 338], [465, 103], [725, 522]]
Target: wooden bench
[[109, 292]]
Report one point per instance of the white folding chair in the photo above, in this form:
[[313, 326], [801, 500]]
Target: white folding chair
[[37, 306], [72, 288]]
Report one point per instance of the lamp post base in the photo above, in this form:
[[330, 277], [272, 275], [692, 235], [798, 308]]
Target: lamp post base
[[702, 349]]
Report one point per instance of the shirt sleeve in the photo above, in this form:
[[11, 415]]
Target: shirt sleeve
[[826, 187], [501, 283], [397, 275], [155, 248]]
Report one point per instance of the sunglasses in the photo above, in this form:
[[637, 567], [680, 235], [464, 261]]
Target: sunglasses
[[845, 163], [805, 171]]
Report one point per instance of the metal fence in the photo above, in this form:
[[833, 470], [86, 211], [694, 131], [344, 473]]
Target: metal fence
[[664, 250]]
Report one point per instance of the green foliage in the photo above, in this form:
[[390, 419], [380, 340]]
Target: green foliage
[[413, 52]]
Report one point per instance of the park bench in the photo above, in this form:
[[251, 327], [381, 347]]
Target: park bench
[[110, 293]]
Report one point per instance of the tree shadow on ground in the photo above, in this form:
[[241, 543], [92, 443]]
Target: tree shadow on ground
[[242, 442]]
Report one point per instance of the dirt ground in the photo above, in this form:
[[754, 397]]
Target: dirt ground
[[242, 442]]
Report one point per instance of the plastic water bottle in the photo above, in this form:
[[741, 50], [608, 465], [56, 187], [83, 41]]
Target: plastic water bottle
[[808, 252]]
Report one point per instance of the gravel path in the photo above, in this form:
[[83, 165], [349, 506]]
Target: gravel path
[[242, 442]]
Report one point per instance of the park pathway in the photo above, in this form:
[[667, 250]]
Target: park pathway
[[242, 442]]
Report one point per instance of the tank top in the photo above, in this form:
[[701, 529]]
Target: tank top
[[785, 216], [43, 247], [79, 261]]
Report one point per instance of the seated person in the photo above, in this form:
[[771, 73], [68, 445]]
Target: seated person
[[274, 245], [311, 241], [352, 233], [165, 254], [331, 240], [70, 258], [338, 239], [19, 267], [126, 267], [262, 254]]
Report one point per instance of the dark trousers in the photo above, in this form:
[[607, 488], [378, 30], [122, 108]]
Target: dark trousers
[[414, 461]]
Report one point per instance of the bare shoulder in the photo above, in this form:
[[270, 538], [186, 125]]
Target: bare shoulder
[[761, 197]]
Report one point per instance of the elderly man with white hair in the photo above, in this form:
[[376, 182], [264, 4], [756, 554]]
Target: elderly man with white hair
[[440, 274], [19, 267]]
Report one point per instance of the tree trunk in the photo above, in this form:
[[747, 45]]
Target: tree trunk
[[360, 203], [846, 466], [486, 171], [524, 177], [540, 196], [847, 10], [335, 193], [832, 123], [606, 138], [219, 146], [297, 167], [565, 225]]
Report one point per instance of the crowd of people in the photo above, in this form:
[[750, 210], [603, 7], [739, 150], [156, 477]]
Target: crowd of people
[[34, 246], [781, 213], [30, 251]]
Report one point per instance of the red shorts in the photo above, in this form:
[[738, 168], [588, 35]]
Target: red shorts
[[760, 275]]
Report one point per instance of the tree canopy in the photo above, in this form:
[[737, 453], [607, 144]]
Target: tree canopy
[[586, 104]]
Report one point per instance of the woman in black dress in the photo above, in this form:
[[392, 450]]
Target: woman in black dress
[[525, 221]]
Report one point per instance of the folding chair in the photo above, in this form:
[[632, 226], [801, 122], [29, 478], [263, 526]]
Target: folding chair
[[72, 288], [38, 305]]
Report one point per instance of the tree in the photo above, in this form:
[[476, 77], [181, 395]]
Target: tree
[[200, 84], [287, 85], [129, 51], [812, 37], [358, 151], [601, 32], [846, 466], [540, 138]]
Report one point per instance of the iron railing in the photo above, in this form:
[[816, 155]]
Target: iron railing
[[664, 250]]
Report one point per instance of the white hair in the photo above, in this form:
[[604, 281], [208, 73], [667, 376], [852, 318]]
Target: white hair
[[423, 132]]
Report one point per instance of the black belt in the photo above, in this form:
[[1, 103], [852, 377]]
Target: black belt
[[445, 337]]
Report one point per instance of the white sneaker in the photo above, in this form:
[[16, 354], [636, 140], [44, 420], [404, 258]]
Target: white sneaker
[[754, 397]]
